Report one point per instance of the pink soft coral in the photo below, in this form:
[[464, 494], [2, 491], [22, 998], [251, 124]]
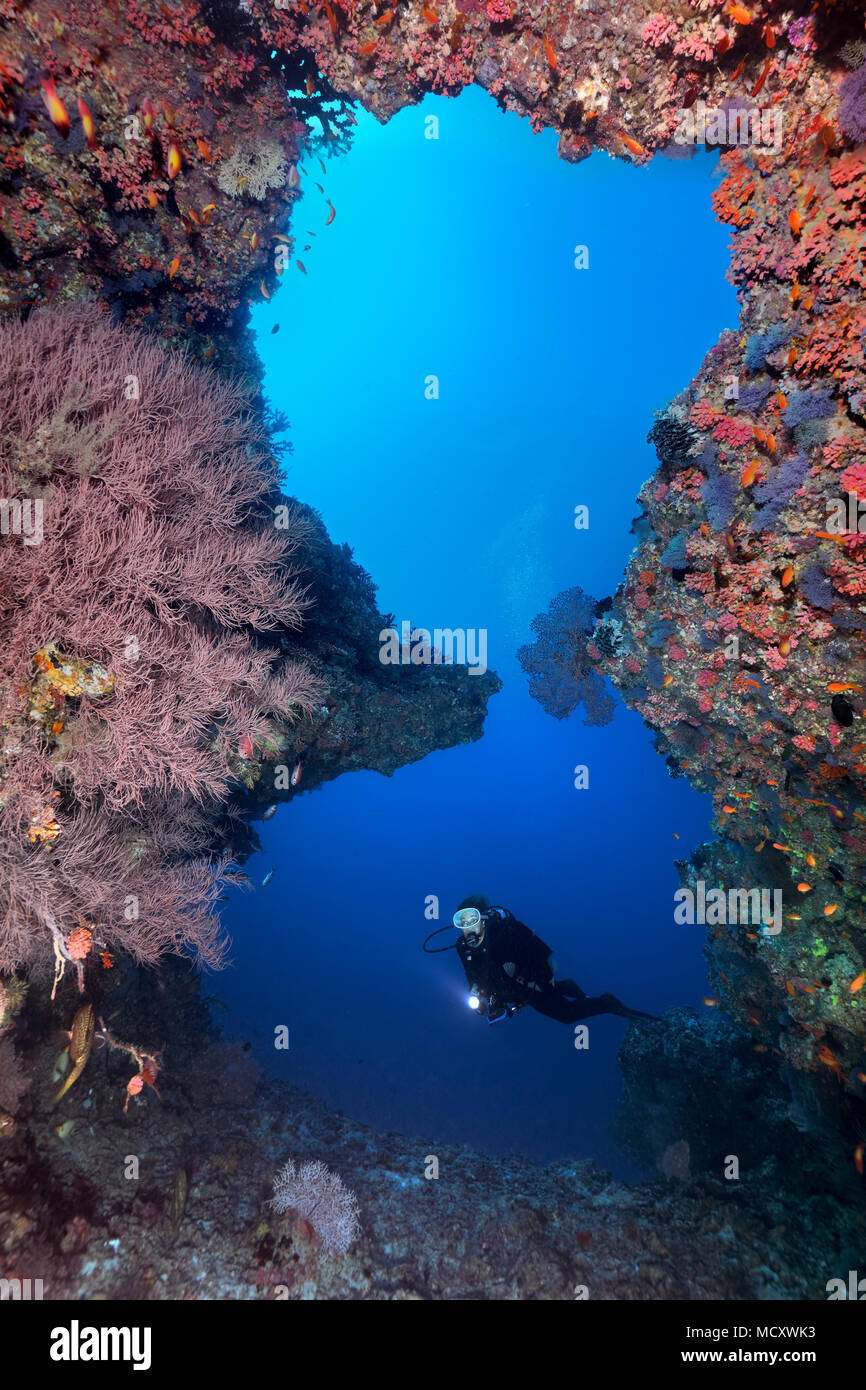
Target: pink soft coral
[[854, 478], [658, 30], [734, 432]]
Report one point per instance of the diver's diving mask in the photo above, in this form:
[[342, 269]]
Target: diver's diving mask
[[471, 923]]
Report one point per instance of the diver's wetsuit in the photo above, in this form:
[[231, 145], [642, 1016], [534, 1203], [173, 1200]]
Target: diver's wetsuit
[[511, 967]]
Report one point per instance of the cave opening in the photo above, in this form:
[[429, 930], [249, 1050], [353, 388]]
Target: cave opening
[[555, 308]]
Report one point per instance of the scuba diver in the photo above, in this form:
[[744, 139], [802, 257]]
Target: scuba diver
[[508, 966]]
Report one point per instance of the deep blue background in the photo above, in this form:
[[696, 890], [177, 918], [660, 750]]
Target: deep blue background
[[455, 257]]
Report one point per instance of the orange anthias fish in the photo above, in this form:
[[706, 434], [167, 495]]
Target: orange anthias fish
[[54, 106], [796, 221], [550, 53], [787, 576], [632, 146], [430, 14], [858, 1157], [368, 47], [204, 150], [173, 268], [740, 14], [827, 1057], [763, 77], [173, 161], [750, 473], [87, 123], [858, 984], [309, 84], [836, 687]]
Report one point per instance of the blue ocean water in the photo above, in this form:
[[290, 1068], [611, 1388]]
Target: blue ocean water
[[455, 257]]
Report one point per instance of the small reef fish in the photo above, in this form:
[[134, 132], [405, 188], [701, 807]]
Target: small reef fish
[[795, 221], [172, 270], [550, 53], [54, 106], [301, 267], [271, 811], [173, 161], [842, 711], [245, 746], [633, 146], [204, 150], [87, 123], [836, 687], [787, 576], [858, 984], [739, 14], [331, 215], [858, 1157], [828, 1058], [63, 1131], [763, 77], [296, 773], [830, 909], [276, 328], [267, 878], [367, 48]]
